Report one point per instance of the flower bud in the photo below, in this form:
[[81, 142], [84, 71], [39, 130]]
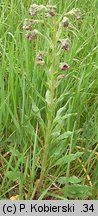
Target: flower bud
[[33, 9], [31, 34], [51, 13], [76, 13], [64, 66], [40, 58], [27, 24], [65, 22], [65, 44], [51, 10]]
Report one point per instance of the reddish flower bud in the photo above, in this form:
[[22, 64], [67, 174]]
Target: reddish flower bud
[[51, 13], [64, 66], [51, 10], [78, 17]]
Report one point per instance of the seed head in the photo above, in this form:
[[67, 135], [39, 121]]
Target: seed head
[[65, 22], [64, 66]]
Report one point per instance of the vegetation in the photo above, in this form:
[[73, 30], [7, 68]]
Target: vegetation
[[49, 99]]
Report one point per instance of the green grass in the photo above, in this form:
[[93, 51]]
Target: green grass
[[48, 134]]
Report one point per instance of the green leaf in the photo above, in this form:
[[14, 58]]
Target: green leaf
[[72, 180], [14, 152], [69, 158], [61, 110], [48, 97], [77, 191], [59, 119], [65, 135], [35, 108], [75, 180], [14, 176], [56, 137], [38, 115]]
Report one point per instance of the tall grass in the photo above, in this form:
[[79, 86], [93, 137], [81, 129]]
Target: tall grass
[[48, 134]]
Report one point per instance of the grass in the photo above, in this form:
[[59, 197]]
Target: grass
[[48, 127]]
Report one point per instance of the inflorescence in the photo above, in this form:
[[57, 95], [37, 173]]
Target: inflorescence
[[49, 11]]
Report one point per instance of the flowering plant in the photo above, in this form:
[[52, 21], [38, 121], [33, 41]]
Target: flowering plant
[[59, 43]]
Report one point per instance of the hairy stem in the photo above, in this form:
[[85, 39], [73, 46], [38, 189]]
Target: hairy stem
[[50, 106]]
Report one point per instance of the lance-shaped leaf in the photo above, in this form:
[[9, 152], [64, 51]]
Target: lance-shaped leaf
[[69, 158]]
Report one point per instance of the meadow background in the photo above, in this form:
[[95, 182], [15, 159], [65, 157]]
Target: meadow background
[[71, 171]]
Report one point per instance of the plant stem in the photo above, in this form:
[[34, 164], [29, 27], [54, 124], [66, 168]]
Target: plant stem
[[50, 107]]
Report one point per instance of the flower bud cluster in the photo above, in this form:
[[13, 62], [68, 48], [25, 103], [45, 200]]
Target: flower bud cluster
[[50, 11], [34, 9]]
